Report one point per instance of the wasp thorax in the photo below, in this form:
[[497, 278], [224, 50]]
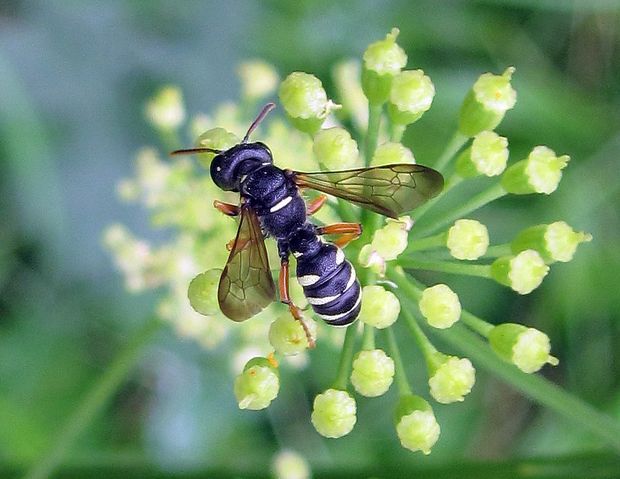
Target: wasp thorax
[[228, 167]]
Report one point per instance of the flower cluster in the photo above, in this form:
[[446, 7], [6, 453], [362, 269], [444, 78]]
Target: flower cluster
[[380, 98]]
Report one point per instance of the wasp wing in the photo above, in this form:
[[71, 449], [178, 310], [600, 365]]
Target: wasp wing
[[390, 190], [246, 286]]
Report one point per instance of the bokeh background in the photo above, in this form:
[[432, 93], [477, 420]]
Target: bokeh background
[[74, 77]]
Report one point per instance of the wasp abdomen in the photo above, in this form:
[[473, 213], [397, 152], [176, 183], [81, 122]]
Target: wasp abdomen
[[330, 285]]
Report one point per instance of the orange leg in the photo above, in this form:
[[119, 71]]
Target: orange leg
[[316, 204], [285, 298], [226, 208], [347, 231]]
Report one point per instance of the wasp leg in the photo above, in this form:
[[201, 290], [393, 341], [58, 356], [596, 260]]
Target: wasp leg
[[226, 208], [285, 298], [316, 204], [347, 231]]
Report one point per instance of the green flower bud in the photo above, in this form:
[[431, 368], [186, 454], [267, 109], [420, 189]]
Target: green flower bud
[[468, 239], [287, 335], [416, 425], [382, 61], [451, 378], [333, 413], [440, 306], [372, 373], [166, 110], [390, 152], [486, 103], [391, 240], [555, 242], [257, 385], [411, 95], [218, 139], [523, 272], [541, 172], [369, 258], [258, 79], [202, 292], [380, 308], [305, 101], [487, 155], [335, 149], [526, 348], [288, 464]]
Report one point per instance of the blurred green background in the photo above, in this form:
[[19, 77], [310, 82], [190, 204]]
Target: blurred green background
[[74, 76]]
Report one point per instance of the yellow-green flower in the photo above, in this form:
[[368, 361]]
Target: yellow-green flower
[[258, 79], [555, 242], [541, 172], [451, 378], [467, 239], [380, 308], [372, 372], [487, 102], [416, 425], [382, 61], [527, 348], [411, 95], [333, 413], [257, 385], [335, 149], [440, 306], [523, 272], [487, 155]]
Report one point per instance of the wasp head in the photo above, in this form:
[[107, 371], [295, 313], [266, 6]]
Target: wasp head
[[229, 166]]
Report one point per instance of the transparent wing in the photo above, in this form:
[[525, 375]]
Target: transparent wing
[[390, 190], [246, 286]]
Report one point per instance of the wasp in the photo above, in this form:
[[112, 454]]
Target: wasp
[[271, 205]]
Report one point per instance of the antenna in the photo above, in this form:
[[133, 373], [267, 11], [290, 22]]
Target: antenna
[[191, 151], [263, 113]]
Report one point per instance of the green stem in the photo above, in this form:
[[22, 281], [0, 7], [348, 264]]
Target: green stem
[[374, 122], [486, 196], [346, 356], [430, 242], [368, 340], [499, 250], [449, 185], [94, 401], [479, 270], [534, 386], [398, 131], [399, 369], [452, 148], [423, 342], [479, 325]]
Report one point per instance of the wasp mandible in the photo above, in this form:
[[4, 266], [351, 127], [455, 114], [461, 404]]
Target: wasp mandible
[[271, 205]]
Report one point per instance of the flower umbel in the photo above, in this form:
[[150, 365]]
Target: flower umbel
[[380, 100]]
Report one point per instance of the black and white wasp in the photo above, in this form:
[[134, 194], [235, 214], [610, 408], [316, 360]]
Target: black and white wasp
[[271, 204]]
